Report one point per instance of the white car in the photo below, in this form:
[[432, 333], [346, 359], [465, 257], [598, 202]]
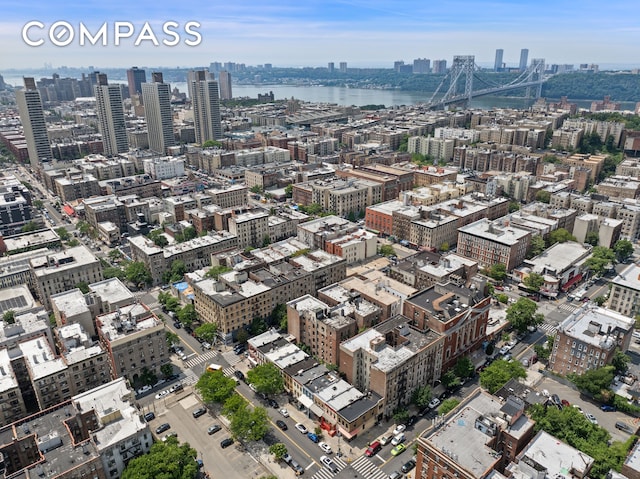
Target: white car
[[301, 427], [162, 394], [329, 463], [399, 428], [435, 402], [284, 412], [504, 350], [325, 447], [400, 438], [591, 418]]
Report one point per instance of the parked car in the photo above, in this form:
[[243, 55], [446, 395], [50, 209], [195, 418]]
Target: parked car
[[226, 442], [273, 403], [398, 429], [623, 426], [384, 440], [284, 412], [504, 350], [313, 437], [162, 394], [555, 399], [239, 375], [325, 447], [163, 427], [301, 427], [607, 408], [407, 466], [213, 429], [282, 425], [398, 439], [591, 418], [167, 436], [396, 475], [435, 402], [149, 416], [398, 449], [412, 420], [297, 468], [373, 449], [201, 411], [330, 464], [177, 324]]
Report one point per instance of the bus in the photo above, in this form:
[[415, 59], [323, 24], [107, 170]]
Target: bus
[[214, 367]]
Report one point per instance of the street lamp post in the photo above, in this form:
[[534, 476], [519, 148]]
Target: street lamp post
[[339, 450]]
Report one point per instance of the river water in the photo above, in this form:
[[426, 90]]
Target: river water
[[360, 96]]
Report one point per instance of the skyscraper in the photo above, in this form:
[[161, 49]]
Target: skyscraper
[[33, 124], [343, 67], [524, 57], [421, 65], [156, 97], [111, 117], [224, 77], [439, 66], [205, 101], [135, 78], [331, 67], [497, 66]]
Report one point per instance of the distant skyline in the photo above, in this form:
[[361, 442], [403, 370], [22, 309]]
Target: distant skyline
[[364, 33]]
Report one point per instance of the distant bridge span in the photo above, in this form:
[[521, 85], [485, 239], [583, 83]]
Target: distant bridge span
[[464, 67]]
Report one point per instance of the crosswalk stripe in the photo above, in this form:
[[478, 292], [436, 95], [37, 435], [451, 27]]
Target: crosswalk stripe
[[229, 372], [368, 469], [200, 359]]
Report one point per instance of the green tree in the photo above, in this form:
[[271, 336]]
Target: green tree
[[560, 235], [533, 281], [594, 381], [83, 227], [279, 450], [499, 372], [522, 314], [9, 317], [502, 298], [30, 226], [497, 271], [114, 254], [464, 367], [234, 404], [450, 380], [448, 405], [387, 250], [172, 304], [212, 144], [536, 247], [158, 238], [172, 338], [256, 189], [266, 378], [312, 209], [215, 387], [215, 271], [187, 315], [421, 396], [83, 286], [73, 242], [207, 332], [288, 190], [623, 249], [166, 369], [600, 300], [137, 273], [242, 336], [601, 259], [513, 206], [148, 377], [543, 352], [38, 204], [543, 196], [401, 416], [279, 316], [189, 233], [250, 425], [175, 272], [592, 238], [444, 246], [266, 240], [620, 362], [113, 272], [165, 460], [63, 233]]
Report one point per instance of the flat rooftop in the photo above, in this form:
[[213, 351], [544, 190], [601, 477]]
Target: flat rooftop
[[559, 257], [113, 291], [629, 277], [486, 229], [596, 326]]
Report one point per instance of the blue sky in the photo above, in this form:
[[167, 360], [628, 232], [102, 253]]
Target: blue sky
[[313, 32]]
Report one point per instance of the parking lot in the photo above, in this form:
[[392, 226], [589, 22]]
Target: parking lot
[[606, 420], [218, 462]]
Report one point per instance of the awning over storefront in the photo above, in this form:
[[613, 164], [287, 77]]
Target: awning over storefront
[[305, 401], [317, 410], [571, 282], [69, 210]]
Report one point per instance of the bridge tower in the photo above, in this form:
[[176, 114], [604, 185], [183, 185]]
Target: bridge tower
[[535, 73], [462, 65]]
